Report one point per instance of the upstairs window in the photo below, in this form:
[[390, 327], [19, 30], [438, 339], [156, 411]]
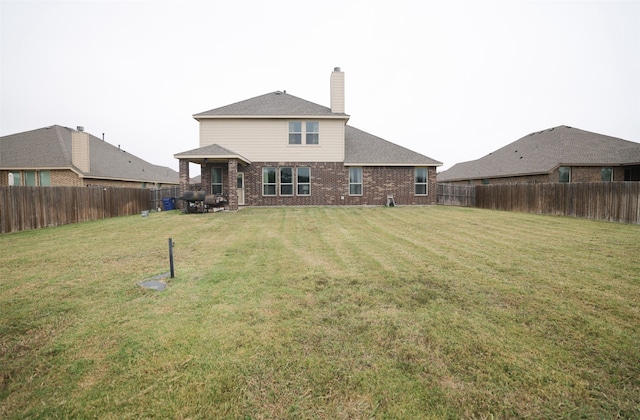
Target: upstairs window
[[312, 133], [421, 181], [307, 130], [295, 132]]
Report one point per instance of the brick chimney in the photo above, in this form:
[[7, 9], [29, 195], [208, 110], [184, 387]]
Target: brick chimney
[[80, 150], [337, 91]]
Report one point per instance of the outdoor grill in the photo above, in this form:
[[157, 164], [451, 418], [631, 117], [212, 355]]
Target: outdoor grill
[[200, 202]]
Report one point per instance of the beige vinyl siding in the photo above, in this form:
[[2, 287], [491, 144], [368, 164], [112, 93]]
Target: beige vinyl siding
[[267, 140], [337, 92]]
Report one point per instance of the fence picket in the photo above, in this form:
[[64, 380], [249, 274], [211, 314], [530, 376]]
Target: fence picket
[[23, 208], [612, 201]]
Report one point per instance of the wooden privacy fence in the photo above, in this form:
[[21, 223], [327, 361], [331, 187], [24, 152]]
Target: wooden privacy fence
[[612, 201], [456, 195], [24, 208], [159, 194]]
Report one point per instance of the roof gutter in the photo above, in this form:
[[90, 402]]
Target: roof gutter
[[407, 164], [263, 117], [217, 157], [129, 179]]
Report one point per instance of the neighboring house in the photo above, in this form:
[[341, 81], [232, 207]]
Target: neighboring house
[[559, 154], [277, 149], [61, 156]]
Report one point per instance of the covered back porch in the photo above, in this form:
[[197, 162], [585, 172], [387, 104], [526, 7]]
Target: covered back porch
[[218, 172]]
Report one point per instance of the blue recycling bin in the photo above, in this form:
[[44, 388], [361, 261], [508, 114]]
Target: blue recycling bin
[[169, 203]]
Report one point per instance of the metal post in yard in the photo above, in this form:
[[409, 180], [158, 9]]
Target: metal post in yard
[[171, 256]]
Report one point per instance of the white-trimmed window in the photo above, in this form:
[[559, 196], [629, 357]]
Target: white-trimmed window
[[307, 130], [295, 132], [312, 132], [421, 181], [606, 174], [355, 180], [268, 181], [304, 180], [286, 181], [216, 180]]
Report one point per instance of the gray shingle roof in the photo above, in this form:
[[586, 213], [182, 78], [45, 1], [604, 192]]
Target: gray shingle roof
[[212, 151], [543, 151], [50, 148], [362, 148], [277, 104], [41, 148]]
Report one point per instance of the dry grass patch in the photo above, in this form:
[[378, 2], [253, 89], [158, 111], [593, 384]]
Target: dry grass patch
[[323, 313]]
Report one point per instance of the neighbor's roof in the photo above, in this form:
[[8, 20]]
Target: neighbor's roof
[[364, 149], [274, 104], [543, 151], [50, 148], [212, 151]]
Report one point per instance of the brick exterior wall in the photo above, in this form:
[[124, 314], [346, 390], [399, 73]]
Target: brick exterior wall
[[588, 174], [330, 185], [232, 184], [58, 178], [184, 180], [68, 178], [578, 174], [507, 180]]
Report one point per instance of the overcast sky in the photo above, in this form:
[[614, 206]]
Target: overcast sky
[[451, 80]]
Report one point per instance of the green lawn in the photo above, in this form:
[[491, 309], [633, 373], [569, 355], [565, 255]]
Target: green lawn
[[403, 312]]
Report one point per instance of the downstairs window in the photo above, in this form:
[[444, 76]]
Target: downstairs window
[[421, 184], [268, 181], [355, 181]]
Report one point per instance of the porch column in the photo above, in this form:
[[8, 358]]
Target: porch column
[[205, 177], [233, 185], [184, 180]]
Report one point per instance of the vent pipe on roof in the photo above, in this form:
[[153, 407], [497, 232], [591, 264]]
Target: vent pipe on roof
[[80, 128]]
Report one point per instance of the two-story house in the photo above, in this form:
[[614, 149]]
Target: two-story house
[[277, 149]]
